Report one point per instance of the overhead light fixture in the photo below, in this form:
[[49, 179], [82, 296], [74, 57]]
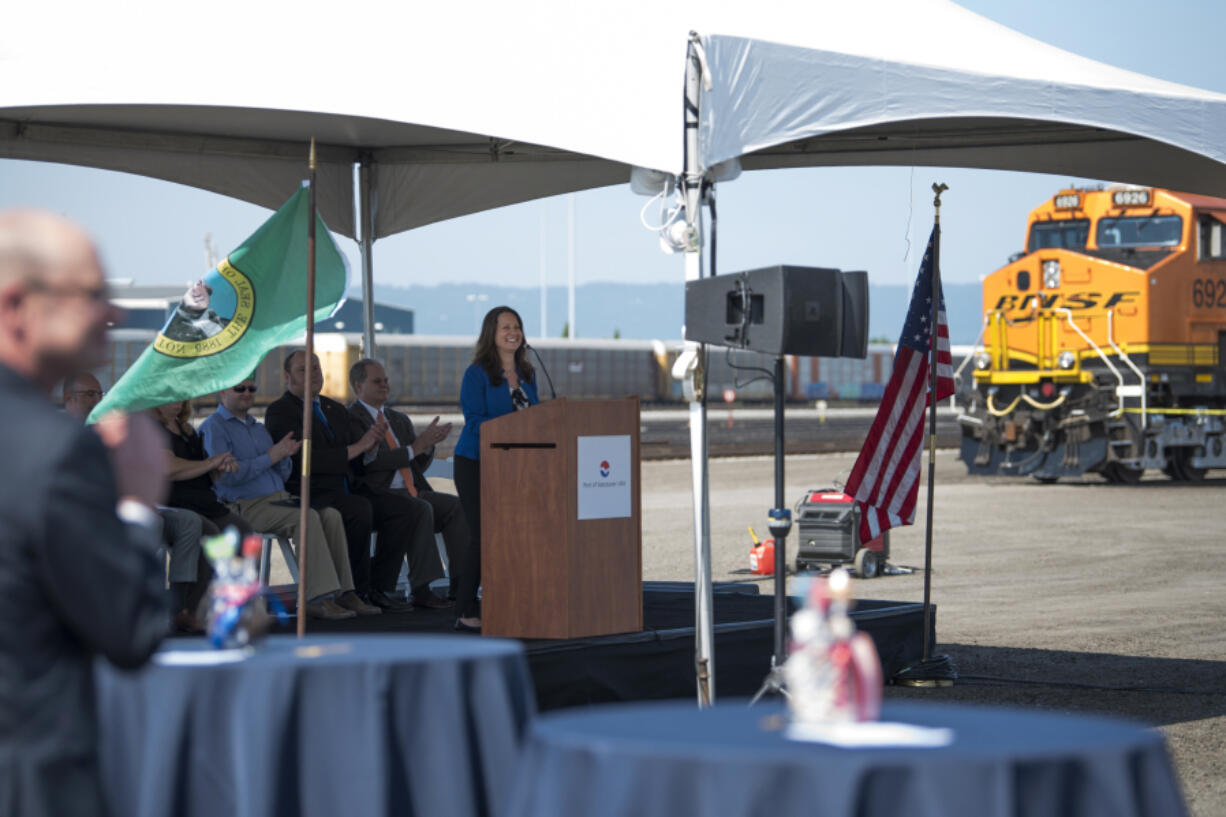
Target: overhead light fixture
[[679, 236]]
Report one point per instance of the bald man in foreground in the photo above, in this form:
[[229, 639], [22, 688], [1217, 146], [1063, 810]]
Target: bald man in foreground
[[78, 532]]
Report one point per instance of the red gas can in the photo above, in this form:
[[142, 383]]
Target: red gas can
[[761, 555], [762, 558]]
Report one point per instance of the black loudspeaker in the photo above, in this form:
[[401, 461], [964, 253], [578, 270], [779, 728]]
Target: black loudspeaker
[[781, 310]]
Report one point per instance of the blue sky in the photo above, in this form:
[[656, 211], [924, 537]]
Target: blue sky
[[854, 218]]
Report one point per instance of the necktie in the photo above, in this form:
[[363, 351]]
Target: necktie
[[406, 474], [319, 413]]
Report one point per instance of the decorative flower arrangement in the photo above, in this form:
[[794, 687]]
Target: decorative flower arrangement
[[237, 614], [833, 674]]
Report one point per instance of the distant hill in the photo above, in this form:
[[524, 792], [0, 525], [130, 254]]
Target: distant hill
[[643, 311]]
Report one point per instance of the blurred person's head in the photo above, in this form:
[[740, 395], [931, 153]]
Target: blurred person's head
[[82, 392], [174, 416], [54, 302], [369, 381], [239, 398], [296, 372]]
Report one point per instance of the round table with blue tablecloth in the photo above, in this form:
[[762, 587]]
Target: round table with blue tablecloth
[[326, 726], [668, 759]]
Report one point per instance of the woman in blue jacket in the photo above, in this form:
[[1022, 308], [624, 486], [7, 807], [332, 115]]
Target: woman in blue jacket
[[499, 381]]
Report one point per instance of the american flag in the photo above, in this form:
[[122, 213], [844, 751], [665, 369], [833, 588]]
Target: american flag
[[885, 479]]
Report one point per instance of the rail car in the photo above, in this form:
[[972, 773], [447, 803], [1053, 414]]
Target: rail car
[[1104, 343], [426, 370]]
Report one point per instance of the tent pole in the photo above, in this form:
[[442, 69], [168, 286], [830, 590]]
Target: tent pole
[[366, 232], [572, 331], [691, 368]]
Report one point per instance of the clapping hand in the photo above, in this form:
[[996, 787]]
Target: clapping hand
[[430, 436], [287, 446], [138, 456], [373, 435], [434, 433], [225, 463]]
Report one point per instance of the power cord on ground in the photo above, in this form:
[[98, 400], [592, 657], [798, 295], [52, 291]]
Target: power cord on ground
[[1000, 680]]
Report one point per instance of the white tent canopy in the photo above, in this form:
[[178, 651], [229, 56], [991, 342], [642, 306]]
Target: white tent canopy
[[461, 108], [1038, 109]]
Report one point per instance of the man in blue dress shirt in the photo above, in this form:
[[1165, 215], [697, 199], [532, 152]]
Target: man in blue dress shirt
[[256, 491]]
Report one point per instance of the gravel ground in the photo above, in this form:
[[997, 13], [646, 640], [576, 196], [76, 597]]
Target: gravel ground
[[1076, 597]]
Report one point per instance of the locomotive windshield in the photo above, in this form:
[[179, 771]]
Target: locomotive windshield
[[1142, 231], [1070, 234]]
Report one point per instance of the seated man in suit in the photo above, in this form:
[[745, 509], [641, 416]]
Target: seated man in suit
[[256, 491], [76, 582], [337, 449], [401, 457]]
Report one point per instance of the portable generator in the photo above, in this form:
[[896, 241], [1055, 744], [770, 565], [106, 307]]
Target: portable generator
[[828, 524]]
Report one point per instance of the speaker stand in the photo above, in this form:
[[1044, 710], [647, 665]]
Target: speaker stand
[[780, 524]]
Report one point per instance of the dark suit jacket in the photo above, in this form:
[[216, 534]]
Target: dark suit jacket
[[380, 471], [330, 464], [75, 581]]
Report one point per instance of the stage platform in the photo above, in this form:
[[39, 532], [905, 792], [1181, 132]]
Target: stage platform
[[659, 662]]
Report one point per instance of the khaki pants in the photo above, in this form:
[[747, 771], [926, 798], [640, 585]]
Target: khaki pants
[[327, 556]]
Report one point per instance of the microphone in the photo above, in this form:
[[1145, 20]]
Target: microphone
[[553, 395]]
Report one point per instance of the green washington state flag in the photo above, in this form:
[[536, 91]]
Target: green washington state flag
[[254, 301]]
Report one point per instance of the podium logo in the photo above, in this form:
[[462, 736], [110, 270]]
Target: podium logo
[[604, 468]]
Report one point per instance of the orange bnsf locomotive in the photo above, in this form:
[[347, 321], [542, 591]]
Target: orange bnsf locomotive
[[1104, 343]]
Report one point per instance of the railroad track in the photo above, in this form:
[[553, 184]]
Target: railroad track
[[750, 431], [671, 440]]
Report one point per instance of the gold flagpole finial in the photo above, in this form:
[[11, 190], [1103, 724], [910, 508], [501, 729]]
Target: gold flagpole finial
[[938, 189], [311, 161]]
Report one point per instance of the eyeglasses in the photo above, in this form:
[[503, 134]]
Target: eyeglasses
[[98, 295], [90, 393], [244, 389]]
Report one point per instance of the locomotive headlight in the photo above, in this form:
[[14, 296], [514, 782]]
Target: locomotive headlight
[[1051, 274], [983, 360], [1066, 359]]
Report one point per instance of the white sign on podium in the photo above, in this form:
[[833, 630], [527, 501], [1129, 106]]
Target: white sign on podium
[[603, 468]]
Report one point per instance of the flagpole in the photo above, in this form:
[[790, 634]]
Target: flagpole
[[932, 415], [305, 491]]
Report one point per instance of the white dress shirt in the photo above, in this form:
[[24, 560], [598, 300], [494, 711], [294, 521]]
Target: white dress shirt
[[397, 479]]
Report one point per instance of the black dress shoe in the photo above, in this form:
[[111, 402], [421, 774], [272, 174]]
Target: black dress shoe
[[464, 628], [427, 600], [385, 602], [185, 622]]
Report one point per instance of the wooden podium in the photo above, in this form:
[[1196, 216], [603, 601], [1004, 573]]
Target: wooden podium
[[546, 572]]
